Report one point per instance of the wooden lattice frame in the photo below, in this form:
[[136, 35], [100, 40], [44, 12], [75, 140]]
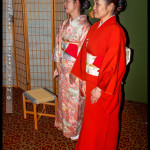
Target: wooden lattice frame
[[23, 76]]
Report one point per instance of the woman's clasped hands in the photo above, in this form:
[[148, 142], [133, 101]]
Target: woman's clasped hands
[[95, 95]]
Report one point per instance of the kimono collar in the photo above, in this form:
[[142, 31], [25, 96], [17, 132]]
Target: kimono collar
[[77, 20], [110, 20]]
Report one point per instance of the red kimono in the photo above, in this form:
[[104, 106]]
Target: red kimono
[[104, 52]]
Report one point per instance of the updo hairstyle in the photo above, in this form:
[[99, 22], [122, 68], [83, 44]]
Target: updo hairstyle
[[84, 4], [120, 5]]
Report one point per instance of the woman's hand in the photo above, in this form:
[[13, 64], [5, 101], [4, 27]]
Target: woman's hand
[[83, 88], [72, 78], [95, 95], [58, 68]]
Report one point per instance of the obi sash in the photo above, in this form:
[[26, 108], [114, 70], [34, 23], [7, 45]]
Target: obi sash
[[93, 64], [128, 55], [69, 50]]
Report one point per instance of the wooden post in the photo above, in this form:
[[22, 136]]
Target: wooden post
[[35, 115], [53, 40], [24, 107], [26, 43]]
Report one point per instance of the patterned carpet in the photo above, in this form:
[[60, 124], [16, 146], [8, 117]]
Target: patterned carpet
[[19, 133]]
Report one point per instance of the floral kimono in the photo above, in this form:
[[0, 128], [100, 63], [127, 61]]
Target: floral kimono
[[70, 109]]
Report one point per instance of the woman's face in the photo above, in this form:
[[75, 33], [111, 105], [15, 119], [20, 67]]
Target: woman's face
[[101, 9], [69, 6]]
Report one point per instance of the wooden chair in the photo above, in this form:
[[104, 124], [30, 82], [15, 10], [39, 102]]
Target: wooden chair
[[39, 96]]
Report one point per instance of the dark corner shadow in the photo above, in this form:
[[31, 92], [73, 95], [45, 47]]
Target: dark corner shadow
[[125, 31], [125, 76]]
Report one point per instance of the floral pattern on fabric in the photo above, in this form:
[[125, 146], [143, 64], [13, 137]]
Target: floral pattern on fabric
[[70, 107]]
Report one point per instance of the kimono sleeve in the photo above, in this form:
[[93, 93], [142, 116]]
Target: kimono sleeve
[[79, 66], [85, 30], [113, 65], [57, 49]]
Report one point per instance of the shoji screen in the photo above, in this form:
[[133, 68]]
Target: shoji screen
[[7, 39], [34, 30], [40, 43], [20, 45], [59, 13]]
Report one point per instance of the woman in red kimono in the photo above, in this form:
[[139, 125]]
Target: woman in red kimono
[[101, 65]]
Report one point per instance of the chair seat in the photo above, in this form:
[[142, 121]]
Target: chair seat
[[41, 95]]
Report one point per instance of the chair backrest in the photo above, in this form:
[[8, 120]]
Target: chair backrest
[[128, 55]]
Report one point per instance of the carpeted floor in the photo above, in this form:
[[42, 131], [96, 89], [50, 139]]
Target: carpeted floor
[[19, 133]]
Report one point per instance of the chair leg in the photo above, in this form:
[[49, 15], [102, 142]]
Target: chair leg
[[35, 115], [44, 108], [24, 107]]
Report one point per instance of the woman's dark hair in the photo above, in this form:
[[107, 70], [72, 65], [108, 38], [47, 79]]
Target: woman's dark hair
[[84, 4], [120, 5]]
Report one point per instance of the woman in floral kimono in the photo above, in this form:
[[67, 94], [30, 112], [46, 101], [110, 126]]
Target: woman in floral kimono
[[70, 37]]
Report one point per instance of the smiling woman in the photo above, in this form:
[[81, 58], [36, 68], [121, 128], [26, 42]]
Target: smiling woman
[[101, 64], [101, 9]]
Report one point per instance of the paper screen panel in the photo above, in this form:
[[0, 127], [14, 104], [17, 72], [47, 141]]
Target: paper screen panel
[[20, 44], [40, 43], [59, 13]]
